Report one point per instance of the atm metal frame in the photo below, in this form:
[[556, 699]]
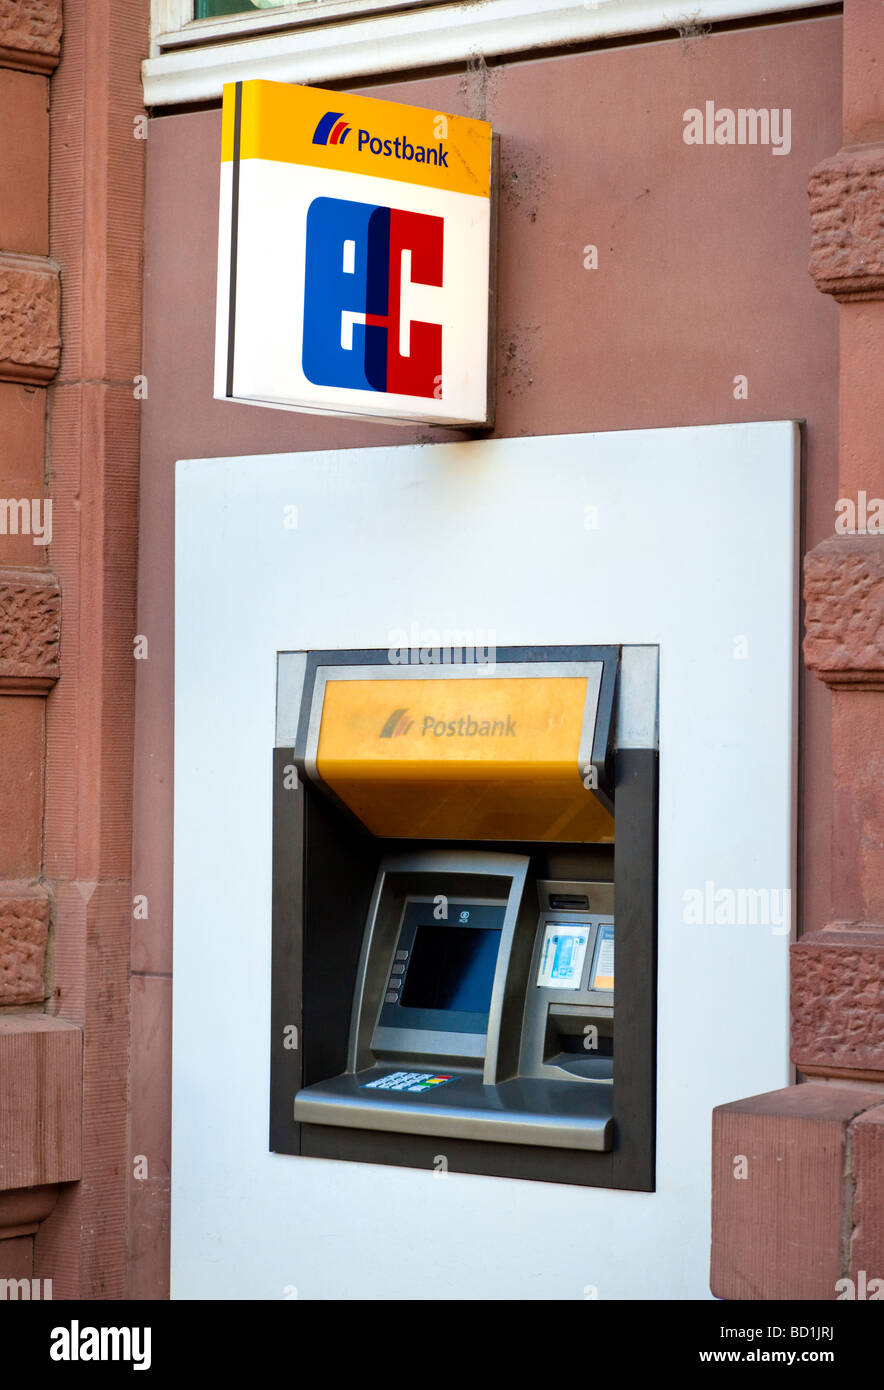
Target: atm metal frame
[[324, 871]]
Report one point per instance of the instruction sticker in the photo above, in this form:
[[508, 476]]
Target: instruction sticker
[[603, 966], [562, 955]]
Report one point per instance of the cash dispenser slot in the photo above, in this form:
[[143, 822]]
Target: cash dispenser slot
[[454, 986]]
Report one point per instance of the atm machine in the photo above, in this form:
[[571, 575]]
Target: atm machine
[[462, 852]]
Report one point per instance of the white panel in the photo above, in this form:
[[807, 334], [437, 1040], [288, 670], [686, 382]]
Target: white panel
[[694, 550], [274, 198]]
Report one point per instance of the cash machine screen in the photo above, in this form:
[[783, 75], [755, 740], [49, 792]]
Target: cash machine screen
[[442, 972], [451, 968]]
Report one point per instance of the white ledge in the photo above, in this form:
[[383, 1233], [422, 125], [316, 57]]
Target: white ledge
[[427, 36]]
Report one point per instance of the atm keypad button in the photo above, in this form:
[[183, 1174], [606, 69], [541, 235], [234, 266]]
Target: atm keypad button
[[401, 955], [390, 997], [398, 969]]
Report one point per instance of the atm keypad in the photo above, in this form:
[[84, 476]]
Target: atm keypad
[[408, 1081]]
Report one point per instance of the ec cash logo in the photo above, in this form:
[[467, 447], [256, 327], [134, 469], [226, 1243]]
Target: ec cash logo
[[358, 258]]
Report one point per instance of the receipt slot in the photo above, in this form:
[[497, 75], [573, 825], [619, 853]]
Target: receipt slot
[[464, 861]]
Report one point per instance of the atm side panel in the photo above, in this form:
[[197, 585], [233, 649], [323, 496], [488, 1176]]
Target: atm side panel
[[635, 957], [340, 867], [286, 1022]]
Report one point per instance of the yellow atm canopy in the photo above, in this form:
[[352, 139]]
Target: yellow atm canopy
[[517, 750]]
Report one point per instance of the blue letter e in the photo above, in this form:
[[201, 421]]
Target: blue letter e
[[346, 281]]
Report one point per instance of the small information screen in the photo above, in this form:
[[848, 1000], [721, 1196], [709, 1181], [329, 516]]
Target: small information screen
[[603, 965], [562, 955]]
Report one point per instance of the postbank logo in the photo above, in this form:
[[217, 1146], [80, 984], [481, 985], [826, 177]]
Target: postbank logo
[[466, 726], [397, 724], [331, 130]]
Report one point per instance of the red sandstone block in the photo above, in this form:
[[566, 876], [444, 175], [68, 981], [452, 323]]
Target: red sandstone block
[[97, 203], [30, 339], [83, 1245], [23, 1208], [89, 801], [41, 1086], [844, 619], [150, 1061], [778, 1192], [24, 927], [30, 34], [838, 1001], [24, 162], [863, 45], [22, 464], [861, 405], [858, 801], [21, 786], [30, 631], [17, 1258], [846, 204], [867, 1242]]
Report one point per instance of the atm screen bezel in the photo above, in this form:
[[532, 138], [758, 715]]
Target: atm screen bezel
[[418, 910]]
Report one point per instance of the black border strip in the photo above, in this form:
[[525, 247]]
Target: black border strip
[[234, 225]]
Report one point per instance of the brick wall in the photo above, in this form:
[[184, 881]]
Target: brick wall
[[71, 214]]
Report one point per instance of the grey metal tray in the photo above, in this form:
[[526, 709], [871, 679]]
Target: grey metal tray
[[552, 1114]]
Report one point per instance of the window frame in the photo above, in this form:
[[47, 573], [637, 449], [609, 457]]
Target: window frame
[[321, 41], [172, 25]]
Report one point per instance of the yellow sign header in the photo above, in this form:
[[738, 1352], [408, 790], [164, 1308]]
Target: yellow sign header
[[462, 759], [357, 135]]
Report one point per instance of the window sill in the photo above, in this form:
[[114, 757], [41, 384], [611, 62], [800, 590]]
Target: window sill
[[292, 47]]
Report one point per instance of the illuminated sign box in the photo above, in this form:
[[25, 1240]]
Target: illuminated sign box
[[353, 256]]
